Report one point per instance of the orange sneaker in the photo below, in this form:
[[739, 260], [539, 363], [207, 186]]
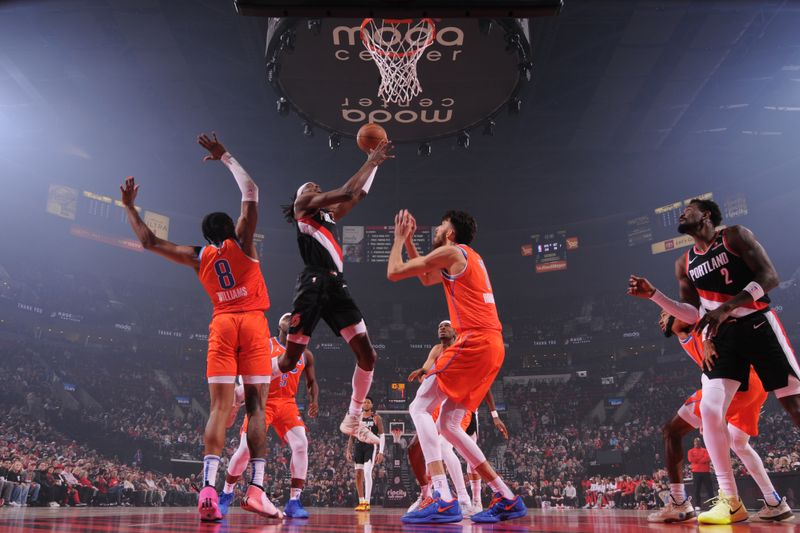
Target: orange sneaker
[[256, 501]]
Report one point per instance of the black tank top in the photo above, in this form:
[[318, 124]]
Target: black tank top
[[369, 421], [718, 274], [316, 237]]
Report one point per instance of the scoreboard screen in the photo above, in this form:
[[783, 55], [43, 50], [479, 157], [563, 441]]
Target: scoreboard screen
[[550, 251], [397, 393], [372, 244]]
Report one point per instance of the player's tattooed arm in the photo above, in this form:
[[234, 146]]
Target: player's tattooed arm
[[382, 436], [184, 255], [311, 383], [743, 243]]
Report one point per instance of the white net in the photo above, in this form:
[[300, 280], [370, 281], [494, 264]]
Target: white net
[[396, 45]]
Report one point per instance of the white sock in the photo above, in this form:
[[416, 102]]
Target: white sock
[[362, 380], [228, 488], [440, 485], [294, 493], [210, 466], [475, 487], [772, 498], [362, 500], [426, 490], [258, 471], [678, 492], [498, 485]]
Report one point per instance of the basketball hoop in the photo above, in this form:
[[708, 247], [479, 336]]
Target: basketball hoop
[[396, 46]]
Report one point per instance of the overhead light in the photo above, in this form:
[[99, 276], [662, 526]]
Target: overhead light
[[463, 140], [424, 149], [334, 140], [488, 129], [283, 106], [515, 106], [308, 131]]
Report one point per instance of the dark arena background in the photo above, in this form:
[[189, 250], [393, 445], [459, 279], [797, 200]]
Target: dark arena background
[[576, 133]]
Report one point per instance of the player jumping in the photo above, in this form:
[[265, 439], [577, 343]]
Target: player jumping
[[321, 291]]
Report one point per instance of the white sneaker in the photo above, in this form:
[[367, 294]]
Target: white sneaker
[[364, 434], [776, 513], [350, 424], [466, 508], [53, 504], [673, 512], [14, 504], [416, 504]]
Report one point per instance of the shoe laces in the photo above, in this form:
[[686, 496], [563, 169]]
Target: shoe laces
[[426, 502]]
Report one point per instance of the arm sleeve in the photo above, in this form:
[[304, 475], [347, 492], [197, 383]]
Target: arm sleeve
[[246, 184], [682, 311]]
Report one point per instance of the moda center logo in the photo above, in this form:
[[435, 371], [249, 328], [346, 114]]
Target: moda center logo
[[347, 39]]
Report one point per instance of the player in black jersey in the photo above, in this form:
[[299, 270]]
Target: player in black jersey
[[321, 291], [365, 456], [725, 277]]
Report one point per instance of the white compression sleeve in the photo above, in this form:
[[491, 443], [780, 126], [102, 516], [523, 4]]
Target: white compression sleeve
[[682, 311], [382, 444], [368, 183], [246, 184]]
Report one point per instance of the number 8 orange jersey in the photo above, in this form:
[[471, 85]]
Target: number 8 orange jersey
[[232, 279]]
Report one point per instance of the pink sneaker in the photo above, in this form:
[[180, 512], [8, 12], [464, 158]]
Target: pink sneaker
[[257, 502], [207, 505]]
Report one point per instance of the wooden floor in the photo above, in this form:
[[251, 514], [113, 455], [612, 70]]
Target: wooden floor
[[185, 520]]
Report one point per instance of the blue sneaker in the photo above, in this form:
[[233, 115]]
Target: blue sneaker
[[434, 511], [501, 509], [225, 501], [294, 509]]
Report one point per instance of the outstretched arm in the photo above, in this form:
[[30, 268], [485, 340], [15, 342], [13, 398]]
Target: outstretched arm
[[185, 255], [685, 312], [246, 225], [311, 383], [342, 200], [441, 258]]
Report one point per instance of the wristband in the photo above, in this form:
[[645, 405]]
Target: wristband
[[368, 183], [494, 414], [755, 290]]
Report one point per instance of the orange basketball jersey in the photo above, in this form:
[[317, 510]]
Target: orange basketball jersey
[[469, 295], [232, 279], [285, 386]]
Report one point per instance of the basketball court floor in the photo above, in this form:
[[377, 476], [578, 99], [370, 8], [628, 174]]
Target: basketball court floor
[[184, 520]]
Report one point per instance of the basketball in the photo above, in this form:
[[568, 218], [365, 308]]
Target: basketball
[[369, 136]]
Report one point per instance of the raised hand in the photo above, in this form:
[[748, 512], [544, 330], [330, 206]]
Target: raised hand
[[640, 287], [214, 147], [129, 190], [381, 153], [402, 226], [417, 375]]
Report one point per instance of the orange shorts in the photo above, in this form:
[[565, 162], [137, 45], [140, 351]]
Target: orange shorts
[[466, 369], [743, 412], [282, 416], [238, 343], [464, 421]]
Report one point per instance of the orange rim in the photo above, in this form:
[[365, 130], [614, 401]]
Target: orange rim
[[431, 37]]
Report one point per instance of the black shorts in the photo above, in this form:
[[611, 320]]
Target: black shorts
[[322, 294], [472, 428], [758, 340], [362, 453]]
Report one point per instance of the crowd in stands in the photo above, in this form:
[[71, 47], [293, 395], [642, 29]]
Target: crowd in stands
[[75, 447]]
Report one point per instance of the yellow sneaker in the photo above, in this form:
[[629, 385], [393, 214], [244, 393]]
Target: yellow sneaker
[[726, 510], [367, 507], [361, 507]]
